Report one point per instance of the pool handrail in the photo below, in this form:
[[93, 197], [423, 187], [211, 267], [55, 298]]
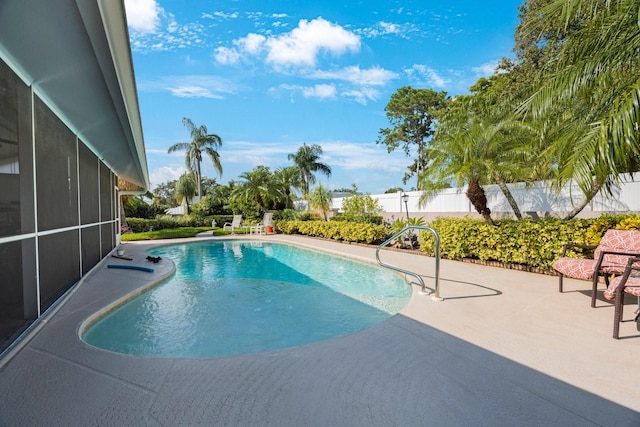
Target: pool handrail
[[436, 295]]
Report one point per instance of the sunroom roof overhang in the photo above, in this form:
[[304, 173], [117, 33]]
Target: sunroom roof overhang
[[76, 56]]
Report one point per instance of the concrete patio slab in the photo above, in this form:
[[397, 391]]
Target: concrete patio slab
[[503, 348]]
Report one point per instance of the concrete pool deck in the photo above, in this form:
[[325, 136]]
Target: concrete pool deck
[[503, 348]]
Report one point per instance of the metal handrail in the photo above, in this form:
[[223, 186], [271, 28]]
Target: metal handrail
[[436, 295]]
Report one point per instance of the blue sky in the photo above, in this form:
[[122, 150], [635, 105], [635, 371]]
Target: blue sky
[[270, 76]]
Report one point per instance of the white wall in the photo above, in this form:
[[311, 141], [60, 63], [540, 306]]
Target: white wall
[[537, 199]]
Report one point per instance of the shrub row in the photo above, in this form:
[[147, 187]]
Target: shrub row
[[533, 243], [140, 225], [336, 230]]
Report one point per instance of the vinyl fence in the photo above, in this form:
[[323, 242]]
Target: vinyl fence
[[534, 200]]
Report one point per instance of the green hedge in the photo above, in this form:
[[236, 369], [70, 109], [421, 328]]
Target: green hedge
[[533, 243], [140, 225], [336, 230]]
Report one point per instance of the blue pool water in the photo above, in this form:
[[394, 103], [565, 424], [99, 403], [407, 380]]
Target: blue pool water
[[233, 297]]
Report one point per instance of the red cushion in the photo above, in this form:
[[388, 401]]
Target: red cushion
[[631, 287], [575, 267], [612, 241]]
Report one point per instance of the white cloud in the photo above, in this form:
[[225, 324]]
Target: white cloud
[[426, 76], [263, 153], [321, 91], [191, 86], [226, 55], [221, 15], [353, 156], [383, 28], [151, 28], [362, 95], [302, 45], [361, 82], [165, 174], [251, 44], [486, 69], [143, 15], [299, 47], [190, 91], [374, 76]]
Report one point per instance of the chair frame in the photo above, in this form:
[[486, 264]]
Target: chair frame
[[619, 299], [261, 228], [232, 224], [597, 271]]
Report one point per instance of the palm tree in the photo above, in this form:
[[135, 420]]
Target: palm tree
[[471, 147], [185, 189], [288, 179], [454, 157], [595, 75], [258, 185], [320, 199], [307, 160], [201, 142]]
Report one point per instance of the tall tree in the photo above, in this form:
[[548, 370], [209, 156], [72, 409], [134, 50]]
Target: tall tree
[[412, 113], [307, 159], [258, 185], [164, 194], [288, 179], [201, 143], [477, 143], [185, 189], [456, 155], [595, 75]]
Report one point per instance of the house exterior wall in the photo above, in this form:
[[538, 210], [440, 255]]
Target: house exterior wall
[[57, 207]]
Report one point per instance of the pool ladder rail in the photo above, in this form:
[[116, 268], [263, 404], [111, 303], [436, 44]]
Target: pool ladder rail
[[405, 230]]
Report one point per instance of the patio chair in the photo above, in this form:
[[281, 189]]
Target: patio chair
[[609, 259], [261, 228], [235, 223], [628, 283]]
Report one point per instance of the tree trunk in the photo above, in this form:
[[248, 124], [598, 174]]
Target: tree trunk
[[287, 202], [199, 179], [123, 218], [597, 185], [507, 193], [478, 199]]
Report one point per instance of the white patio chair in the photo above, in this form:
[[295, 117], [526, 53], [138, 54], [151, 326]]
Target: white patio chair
[[261, 228], [235, 223]]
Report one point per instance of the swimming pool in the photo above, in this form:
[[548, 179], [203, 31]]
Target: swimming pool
[[235, 297]]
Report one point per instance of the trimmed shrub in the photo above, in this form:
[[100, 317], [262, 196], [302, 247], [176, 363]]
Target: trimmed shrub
[[631, 223], [336, 230], [527, 242], [140, 225]]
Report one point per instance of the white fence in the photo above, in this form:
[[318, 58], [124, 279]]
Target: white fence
[[535, 200]]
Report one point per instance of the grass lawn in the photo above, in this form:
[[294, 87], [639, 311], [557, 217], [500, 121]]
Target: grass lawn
[[171, 233]]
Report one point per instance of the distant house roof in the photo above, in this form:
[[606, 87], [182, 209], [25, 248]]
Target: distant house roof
[[83, 72]]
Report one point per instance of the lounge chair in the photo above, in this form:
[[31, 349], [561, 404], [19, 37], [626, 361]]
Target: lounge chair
[[235, 223], [628, 283], [261, 228], [609, 259]]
